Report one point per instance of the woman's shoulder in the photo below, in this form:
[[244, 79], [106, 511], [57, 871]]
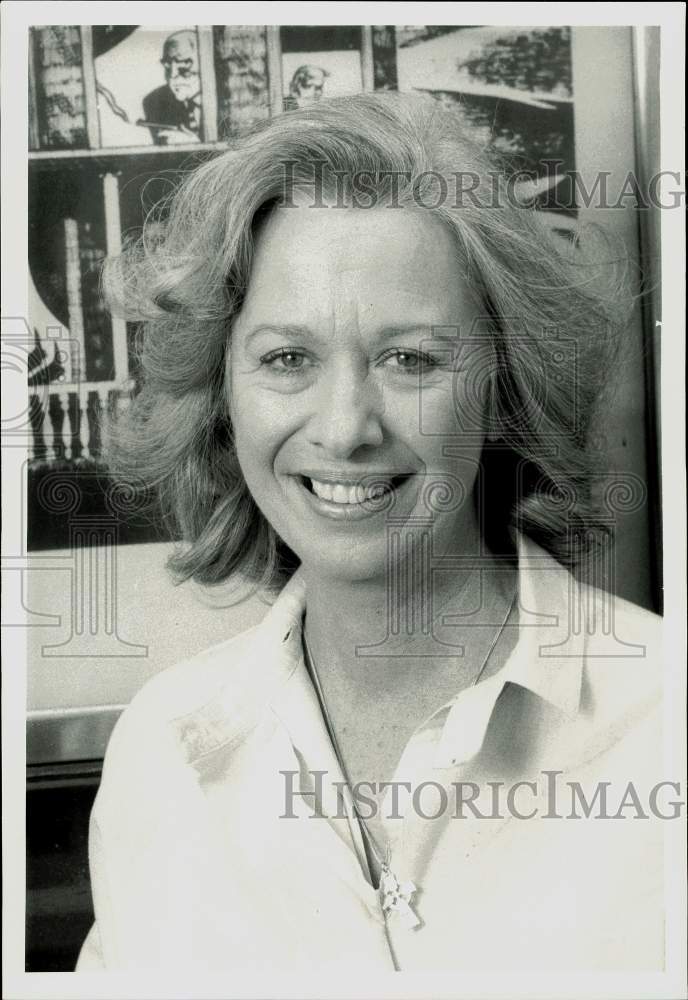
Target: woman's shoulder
[[188, 684], [609, 625], [624, 658], [199, 702], [630, 624], [618, 645], [144, 744], [618, 628]]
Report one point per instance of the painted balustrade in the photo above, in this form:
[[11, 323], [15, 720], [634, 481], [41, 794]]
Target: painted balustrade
[[66, 420]]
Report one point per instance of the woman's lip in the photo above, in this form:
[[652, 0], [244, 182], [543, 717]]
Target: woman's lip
[[346, 511], [362, 479]]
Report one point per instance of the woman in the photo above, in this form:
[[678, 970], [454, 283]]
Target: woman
[[367, 378]]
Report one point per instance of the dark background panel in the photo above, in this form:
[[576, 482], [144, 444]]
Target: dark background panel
[[324, 38], [59, 911]]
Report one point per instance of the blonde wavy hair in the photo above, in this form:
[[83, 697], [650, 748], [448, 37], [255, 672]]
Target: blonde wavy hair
[[184, 281]]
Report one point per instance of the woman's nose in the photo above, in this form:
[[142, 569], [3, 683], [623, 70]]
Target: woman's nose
[[347, 413]]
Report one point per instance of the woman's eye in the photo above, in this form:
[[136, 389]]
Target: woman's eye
[[290, 361], [285, 361], [409, 361]]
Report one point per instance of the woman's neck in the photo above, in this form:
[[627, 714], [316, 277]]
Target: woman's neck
[[382, 623]]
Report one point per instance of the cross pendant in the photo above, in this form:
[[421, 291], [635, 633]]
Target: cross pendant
[[395, 897]]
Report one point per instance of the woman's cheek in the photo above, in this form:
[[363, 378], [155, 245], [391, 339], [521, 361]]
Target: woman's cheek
[[436, 412], [255, 414]]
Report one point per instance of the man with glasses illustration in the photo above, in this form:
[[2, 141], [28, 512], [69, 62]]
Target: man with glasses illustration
[[173, 112]]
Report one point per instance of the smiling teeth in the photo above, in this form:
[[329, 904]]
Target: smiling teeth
[[338, 493]]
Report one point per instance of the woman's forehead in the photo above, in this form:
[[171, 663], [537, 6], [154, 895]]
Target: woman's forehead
[[317, 264], [326, 242]]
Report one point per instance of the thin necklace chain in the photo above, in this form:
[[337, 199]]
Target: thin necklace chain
[[313, 671]]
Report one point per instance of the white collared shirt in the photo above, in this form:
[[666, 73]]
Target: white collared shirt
[[208, 849]]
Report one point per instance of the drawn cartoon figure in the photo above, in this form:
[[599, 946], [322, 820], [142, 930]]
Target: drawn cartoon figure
[[172, 112], [306, 86]]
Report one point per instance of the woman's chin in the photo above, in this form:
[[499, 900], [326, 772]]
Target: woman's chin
[[346, 563]]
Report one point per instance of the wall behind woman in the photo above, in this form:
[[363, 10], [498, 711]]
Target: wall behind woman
[[539, 94], [607, 139]]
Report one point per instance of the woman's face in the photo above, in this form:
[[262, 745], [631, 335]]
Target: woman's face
[[350, 367]]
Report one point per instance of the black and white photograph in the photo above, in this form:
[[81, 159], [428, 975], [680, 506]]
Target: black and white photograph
[[319, 62], [343, 604], [161, 103]]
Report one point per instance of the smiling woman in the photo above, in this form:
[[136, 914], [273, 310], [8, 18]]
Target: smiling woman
[[368, 378], [539, 308], [333, 351]]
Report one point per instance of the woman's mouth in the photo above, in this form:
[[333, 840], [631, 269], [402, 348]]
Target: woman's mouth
[[344, 493], [352, 500]]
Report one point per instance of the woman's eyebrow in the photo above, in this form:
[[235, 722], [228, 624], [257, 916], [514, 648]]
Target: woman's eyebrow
[[428, 330], [281, 329]]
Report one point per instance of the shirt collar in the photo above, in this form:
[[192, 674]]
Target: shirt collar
[[547, 660], [260, 662]]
